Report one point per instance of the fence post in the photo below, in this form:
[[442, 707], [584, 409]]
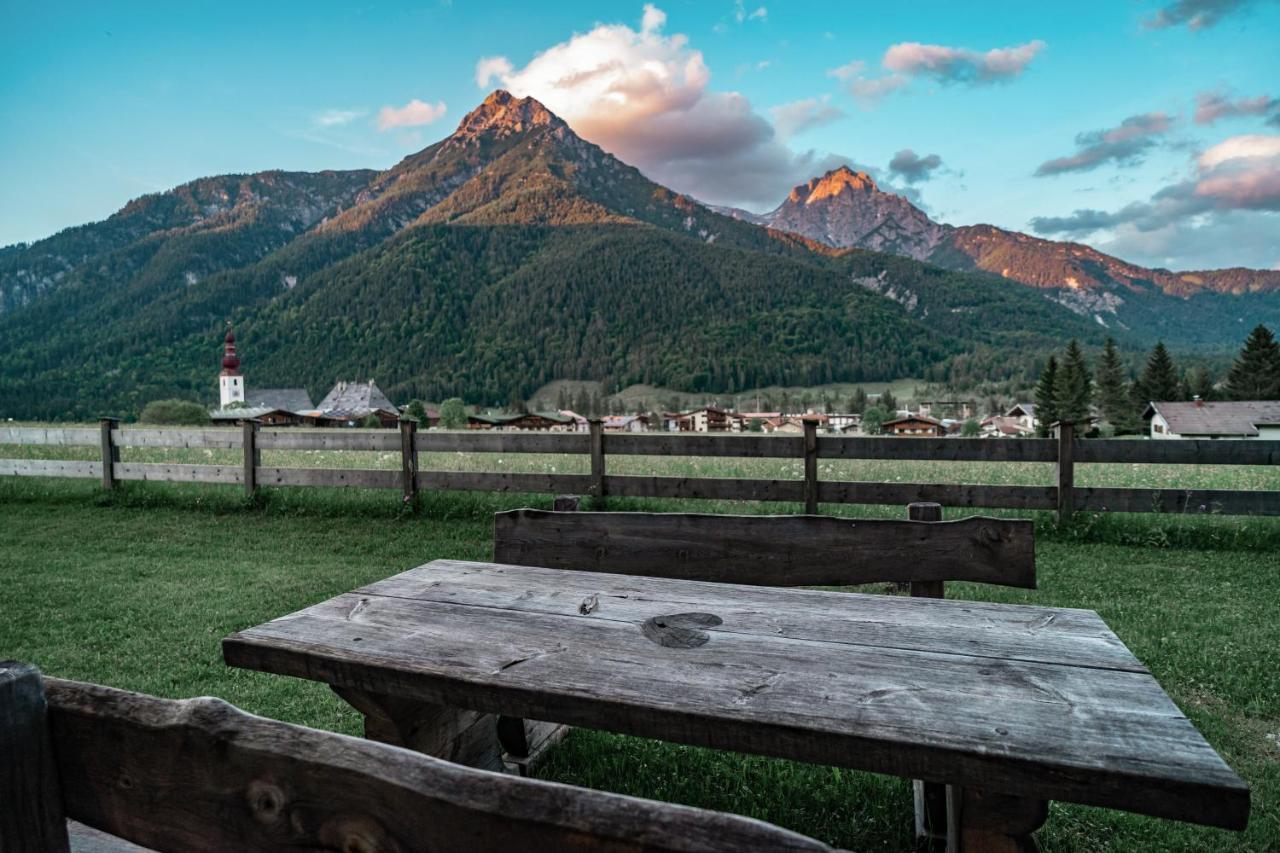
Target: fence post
[[1066, 469], [252, 458], [409, 459], [597, 461], [110, 453], [810, 466]]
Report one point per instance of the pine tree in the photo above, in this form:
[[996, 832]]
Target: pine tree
[[1159, 380], [858, 402], [1114, 400], [1073, 386], [1255, 375], [1202, 383], [888, 402], [1047, 397]]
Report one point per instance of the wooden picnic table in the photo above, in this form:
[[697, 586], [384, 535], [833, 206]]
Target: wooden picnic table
[[1009, 705]]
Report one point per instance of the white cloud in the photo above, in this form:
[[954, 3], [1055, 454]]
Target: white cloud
[[336, 118], [645, 96], [412, 114], [848, 71], [1251, 146], [496, 67], [653, 19], [1223, 213], [806, 114], [908, 61], [741, 15]]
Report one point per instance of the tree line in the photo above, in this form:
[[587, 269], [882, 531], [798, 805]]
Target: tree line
[[1069, 390]]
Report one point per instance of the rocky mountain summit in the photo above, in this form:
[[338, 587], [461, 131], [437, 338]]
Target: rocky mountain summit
[[845, 208]]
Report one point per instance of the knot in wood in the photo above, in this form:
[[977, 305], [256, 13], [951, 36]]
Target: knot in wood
[[680, 630], [266, 801]]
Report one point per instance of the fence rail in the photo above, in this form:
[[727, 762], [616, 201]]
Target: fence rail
[[1064, 451]]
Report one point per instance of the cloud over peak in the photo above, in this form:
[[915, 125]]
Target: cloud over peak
[[644, 95], [912, 168], [1123, 145], [412, 114]]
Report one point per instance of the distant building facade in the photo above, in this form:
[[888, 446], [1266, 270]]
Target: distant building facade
[[1237, 419]]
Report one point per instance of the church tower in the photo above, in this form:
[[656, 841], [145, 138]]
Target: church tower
[[230, 382]]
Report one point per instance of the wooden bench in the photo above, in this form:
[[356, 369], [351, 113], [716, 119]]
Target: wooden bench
[[199, 774], [785, 550]]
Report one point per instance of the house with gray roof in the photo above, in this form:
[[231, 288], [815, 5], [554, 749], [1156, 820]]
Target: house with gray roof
[[351, 403], [1238, 419]]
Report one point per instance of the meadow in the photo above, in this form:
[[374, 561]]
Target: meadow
[[136, 588]]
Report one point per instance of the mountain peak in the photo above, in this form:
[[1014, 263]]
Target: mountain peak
[[832, 184], [502, 114]]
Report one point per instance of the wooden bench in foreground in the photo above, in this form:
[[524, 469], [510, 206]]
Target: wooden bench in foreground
[[200, 775], [1007, 706]]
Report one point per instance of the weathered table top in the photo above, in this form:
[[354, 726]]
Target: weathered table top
[[1032, 701]]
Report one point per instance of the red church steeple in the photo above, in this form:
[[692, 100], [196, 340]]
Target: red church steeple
[[230, 361]]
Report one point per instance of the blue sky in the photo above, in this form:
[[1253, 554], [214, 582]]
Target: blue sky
[[1150, 128]]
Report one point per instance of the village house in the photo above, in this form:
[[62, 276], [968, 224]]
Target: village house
[[1025, 414], [914, 426], [625, 423], [706, 419], [351, 404], [1005, 426], [1236, 419]]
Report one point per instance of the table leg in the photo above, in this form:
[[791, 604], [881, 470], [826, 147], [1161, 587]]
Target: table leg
[[984, 822], [487, 741], [931, 816]]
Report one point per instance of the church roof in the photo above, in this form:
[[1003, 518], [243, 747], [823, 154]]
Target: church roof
[[356, 397], [284, 399]]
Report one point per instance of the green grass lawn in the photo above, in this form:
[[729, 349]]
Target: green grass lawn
[[137, 589]]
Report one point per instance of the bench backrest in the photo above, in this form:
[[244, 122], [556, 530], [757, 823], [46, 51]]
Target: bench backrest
[[199, 774], [774, 550]]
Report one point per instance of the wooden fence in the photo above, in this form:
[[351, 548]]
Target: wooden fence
[[1064, 451]]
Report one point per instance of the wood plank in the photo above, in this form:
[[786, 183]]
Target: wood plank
[[363, 478], [86, 839], [50, 468], [31, 815], [328, 439], [939, 449], [1181, 501], [705, 488], [492, 441], [743, 446], [174, 473], [58, 436], [1179, 451], [776, 550], [199, 774], [979, 629], [223, 438], [1095, 736], [463, 481], [947, 494]]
